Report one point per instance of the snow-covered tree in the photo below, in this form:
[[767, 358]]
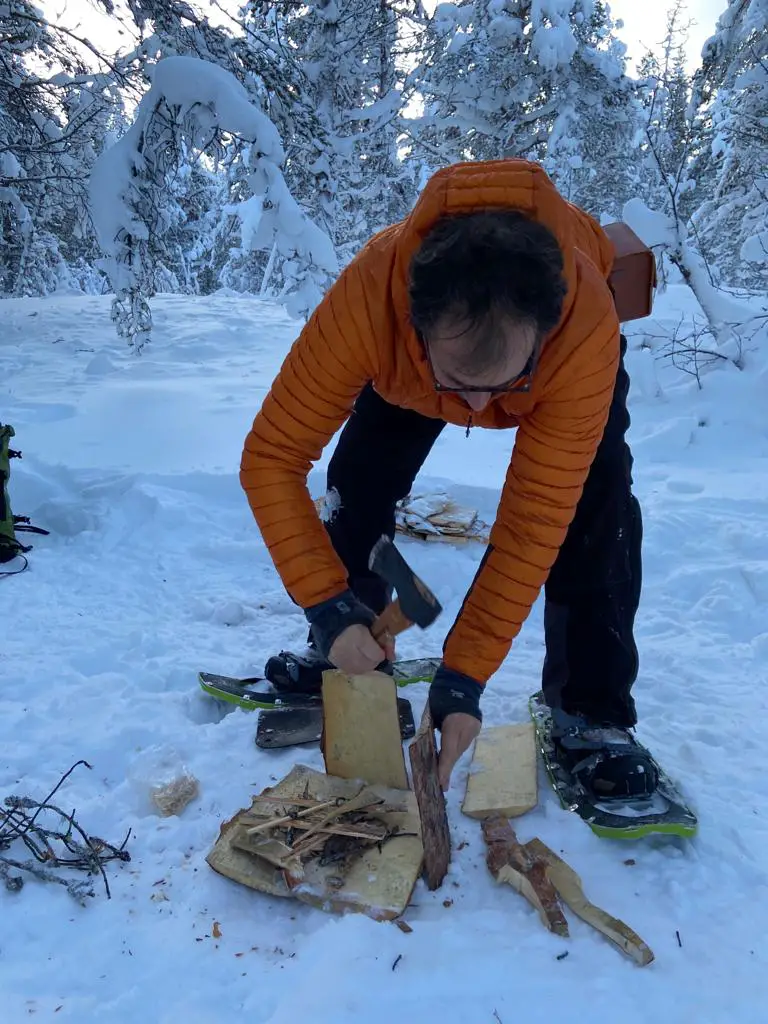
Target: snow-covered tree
[[542, 81], [193, 103], [731, 89], [341, 123], [671, 132], [591, 147], [55, 111]]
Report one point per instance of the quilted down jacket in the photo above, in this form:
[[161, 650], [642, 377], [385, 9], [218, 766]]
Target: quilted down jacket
[[361, 332]]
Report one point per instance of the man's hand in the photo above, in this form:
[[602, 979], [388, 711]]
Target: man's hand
[[456, 736], [355, 651], [454, 700]]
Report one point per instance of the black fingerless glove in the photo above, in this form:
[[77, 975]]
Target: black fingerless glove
[[330, 618], [453, 692]]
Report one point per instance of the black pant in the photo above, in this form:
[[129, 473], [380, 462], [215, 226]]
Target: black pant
[[593, 589]]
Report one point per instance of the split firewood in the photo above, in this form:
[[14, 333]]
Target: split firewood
[[273, 851], [435, 833], [370, 874], [569, 888], [503, 774], [366, 830], [361, 729], [289, 819], [510, 862], [356, 803], [288, 838]]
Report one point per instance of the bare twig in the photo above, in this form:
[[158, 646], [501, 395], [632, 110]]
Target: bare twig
[[80, 851]]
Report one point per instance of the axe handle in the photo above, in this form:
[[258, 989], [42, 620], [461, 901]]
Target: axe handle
[[392, 620]]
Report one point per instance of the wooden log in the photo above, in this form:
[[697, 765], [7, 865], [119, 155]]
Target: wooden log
[[569, 887], [361, 729], [435, 833], [511, 863], [503, 776]]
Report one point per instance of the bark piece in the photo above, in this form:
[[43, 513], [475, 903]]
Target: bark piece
[[510, 862], [503, 776], [379, 882], [361, 729], [569, 888], [435, 833]]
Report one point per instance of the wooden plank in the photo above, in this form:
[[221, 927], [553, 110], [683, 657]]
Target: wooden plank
[[379, 883], [569, 888], [503, 773], [361, 729], [513, 864], [435, 833]]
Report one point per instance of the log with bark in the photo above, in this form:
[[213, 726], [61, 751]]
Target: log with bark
[[536, 871], [510, 862], [435, 833], [569, 888]]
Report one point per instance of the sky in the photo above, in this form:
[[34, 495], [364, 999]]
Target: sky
[[644, 22]]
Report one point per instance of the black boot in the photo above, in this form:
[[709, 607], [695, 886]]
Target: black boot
[[303, 673], [604, 758]]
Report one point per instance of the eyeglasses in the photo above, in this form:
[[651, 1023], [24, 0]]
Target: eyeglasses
[[521, 383]]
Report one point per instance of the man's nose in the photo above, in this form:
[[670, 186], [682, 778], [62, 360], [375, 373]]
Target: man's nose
[[477, 400]]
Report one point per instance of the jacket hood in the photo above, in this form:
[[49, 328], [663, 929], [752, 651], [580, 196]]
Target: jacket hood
[[464, 187]]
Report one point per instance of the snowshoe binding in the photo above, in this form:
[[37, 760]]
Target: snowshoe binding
[[609, 779]]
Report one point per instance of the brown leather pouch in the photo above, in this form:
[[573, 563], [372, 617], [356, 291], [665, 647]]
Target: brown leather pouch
[[633, 278]]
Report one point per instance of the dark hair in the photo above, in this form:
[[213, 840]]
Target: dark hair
[[477, 269]]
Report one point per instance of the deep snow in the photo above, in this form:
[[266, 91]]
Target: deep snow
[[154, 569]]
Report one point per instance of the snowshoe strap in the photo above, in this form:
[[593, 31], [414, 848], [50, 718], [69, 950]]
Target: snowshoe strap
[[574, 732], [23, 523]]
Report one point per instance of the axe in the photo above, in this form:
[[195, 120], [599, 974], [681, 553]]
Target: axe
[[415, 603]]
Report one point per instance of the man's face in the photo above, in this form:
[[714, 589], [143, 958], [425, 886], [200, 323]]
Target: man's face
[[447, 351]]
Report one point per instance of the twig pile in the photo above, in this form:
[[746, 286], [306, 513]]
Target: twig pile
[[61, 844], [289, 833]]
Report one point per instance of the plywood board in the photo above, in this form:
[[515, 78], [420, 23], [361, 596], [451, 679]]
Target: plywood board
[[361, 729], [379, 883], [503, 775]]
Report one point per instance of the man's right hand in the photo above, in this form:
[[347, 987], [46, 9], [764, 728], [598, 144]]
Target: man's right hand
[[355, 651]]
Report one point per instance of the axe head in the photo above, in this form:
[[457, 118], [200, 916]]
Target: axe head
[[417, 601]]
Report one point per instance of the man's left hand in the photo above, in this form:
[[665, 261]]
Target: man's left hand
[[457, 734], [454, 700]]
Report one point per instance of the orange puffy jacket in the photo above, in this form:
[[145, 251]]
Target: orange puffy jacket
[[360, 332]]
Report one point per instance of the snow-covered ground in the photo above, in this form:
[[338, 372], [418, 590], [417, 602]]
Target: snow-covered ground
[[154, 569]]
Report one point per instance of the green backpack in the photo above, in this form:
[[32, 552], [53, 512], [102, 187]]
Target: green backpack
[[10, 525]]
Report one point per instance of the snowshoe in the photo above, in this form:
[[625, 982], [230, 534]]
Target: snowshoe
[[303, 673], [289, 715], [609, 779]]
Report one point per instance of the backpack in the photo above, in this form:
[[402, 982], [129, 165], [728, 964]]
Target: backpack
[[10, 545]]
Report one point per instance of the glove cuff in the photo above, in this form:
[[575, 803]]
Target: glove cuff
[[330, 618], [451, 693]]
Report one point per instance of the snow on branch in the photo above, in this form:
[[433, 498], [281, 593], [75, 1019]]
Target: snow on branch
[[726, 319], [192, 103]]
